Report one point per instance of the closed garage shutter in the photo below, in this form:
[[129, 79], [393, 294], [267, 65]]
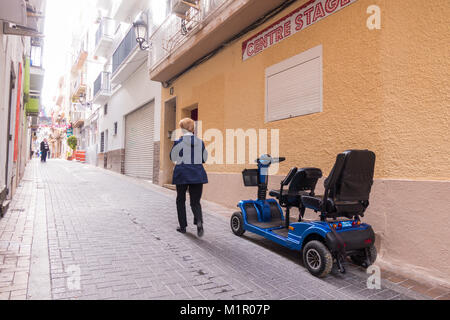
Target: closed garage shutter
[[294, 86], [139, 127]]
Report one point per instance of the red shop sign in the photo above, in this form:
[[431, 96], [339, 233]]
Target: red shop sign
[[299, 19]]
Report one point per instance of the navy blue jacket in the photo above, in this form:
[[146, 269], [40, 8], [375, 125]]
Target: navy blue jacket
[[189, 154]]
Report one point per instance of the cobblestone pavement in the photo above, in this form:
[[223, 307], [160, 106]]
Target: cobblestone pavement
[[78, 232]]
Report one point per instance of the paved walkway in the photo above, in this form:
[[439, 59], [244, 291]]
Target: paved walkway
[[74, 231]]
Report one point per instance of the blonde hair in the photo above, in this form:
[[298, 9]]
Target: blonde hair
[[187, 124]]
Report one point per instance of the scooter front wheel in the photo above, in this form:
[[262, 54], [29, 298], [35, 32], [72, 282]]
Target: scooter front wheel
[[237, 224]]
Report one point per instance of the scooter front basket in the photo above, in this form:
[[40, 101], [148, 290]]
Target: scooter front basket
[[250, 177]]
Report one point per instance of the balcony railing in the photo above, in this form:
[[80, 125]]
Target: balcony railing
[[80, 58], [175, 31], [78, 118], [34, 124], [104, 37], [124, 50], [102, 88], [127, 59], [79, 86], [102, 83], [105, 30]]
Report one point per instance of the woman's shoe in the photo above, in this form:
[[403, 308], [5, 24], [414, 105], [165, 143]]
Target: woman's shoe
[[181, 230], [200, 230]]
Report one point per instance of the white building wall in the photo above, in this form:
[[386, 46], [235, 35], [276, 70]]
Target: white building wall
[[137, 91]]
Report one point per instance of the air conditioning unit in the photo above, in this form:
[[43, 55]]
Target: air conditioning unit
[[180, 7], [14, 11]]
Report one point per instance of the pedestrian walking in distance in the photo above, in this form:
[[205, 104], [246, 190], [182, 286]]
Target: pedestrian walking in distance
[[189, 155], [44, 150]]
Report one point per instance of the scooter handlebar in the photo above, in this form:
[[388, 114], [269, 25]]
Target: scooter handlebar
[[272, 160], [277, 160]]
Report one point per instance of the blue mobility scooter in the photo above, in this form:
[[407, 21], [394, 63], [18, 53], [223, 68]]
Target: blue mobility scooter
[[337, 234]]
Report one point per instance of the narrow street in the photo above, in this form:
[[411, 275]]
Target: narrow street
[[78, 232]]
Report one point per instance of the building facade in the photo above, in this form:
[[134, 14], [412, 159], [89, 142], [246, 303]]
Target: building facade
[[106, 96], [21, 78], [129, 113], [328, 76]]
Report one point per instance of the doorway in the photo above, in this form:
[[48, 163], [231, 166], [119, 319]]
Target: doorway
[[169, 126], [12, 86], [192, 112]]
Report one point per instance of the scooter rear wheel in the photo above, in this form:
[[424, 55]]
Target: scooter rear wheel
[[360, 260], [237, 224], [317, 258]]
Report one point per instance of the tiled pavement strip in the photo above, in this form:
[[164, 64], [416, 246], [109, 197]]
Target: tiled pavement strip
[[118, 234]]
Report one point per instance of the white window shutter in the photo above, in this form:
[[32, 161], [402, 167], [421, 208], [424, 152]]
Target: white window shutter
[[294, 86]]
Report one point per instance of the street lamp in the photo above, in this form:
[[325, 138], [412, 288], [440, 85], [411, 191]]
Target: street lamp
[[82, 99], [140, 31]]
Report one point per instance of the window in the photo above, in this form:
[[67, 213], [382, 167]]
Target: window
[[102, 142], [294, 86], [115, 128], [36, 55], [105, 109]]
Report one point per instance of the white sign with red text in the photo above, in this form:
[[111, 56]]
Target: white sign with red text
[[301, 18]]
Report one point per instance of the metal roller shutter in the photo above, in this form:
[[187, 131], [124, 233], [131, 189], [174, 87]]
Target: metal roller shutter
[[294, 86], [139, 126]]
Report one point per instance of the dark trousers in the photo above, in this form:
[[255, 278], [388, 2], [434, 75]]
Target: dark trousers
[[44, 156], [195, 194]]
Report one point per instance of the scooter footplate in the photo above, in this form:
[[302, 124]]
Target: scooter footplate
[[282, 232], [268, 225], [252, 218], [252, 214]]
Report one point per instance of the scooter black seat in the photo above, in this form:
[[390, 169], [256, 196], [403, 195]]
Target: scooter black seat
[[287, 195], [344, 208], [300, 182], [348, 187], [315, 203]]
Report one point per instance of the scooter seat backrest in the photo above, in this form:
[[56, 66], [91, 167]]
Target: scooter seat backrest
[[352, 176], [289, 177], [305, 180]]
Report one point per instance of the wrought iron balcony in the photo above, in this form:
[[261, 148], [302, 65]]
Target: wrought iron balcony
[[127, 58], [80, 58], [79, 86], [78, 118], [188, 37], [104, 38], [102, 88]]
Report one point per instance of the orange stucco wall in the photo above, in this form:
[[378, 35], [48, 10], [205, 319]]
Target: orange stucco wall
[[387, 90]]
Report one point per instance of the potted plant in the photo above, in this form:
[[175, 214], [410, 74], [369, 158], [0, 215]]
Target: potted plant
[[72, 143], [69, 156]]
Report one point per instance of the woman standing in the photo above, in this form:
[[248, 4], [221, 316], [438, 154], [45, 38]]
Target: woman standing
[[189, 154]]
